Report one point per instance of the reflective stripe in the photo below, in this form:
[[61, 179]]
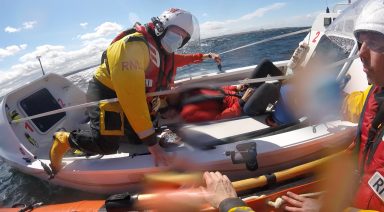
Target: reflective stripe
[[376, 183], [154, 55], [145, 133], [111, 119]]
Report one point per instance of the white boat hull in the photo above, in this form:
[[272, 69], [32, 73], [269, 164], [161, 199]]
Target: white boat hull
[[122, 171], [25, 145]]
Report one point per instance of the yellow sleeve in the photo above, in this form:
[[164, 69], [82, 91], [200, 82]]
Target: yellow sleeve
[[350, 209], [102, 76], [128, 60], [353, 104], [241, 209]]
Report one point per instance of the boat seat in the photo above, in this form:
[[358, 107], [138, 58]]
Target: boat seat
[[207, 134]]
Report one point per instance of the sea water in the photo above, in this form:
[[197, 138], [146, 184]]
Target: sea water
[[17, 187]]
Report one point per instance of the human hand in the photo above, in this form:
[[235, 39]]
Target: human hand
[[248, 93], [216, 57], [241, 87], [299, 203], [159, 156], [219, 188]]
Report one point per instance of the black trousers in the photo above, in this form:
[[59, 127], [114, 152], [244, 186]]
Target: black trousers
[[91, 141], [265, 93]]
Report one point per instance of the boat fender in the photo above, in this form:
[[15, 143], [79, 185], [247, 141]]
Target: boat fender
[[121, 201], [246, 153]]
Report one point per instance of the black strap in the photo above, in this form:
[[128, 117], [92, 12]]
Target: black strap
[[188, 96], [358, 133], [375, 132], [170, 73], [201, 98], [125, 33], [271, 179], [104, 58], [231, 203], [120, 202]]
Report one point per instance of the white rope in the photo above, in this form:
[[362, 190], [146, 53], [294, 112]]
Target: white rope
[[266, 40], [176, 90], [158, 93], [280, 201]]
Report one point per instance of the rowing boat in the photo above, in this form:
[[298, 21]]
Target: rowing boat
[[239, 147]]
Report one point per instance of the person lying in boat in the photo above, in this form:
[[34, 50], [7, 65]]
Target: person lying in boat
[[368, 146], [212, 103], [138, 61]]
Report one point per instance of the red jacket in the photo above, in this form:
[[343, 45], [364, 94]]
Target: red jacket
[[370, 192], [209, 110]]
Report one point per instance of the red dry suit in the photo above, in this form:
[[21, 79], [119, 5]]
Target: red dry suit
[[226, 105], [370, 192]]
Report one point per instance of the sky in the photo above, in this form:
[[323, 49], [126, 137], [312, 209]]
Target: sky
[[71, 34]]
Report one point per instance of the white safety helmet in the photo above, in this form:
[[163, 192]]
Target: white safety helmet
[[371, 20], [181, 19]]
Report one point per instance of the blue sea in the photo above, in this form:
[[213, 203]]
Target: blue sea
[[17, 187]]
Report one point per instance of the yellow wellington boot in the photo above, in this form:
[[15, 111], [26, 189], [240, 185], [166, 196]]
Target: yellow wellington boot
[[59, 147]]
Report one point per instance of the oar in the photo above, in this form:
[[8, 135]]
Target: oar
[[144, 201], [168, 181], [174, 179]]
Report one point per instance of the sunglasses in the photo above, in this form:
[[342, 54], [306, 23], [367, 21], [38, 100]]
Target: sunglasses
[[373, 41]]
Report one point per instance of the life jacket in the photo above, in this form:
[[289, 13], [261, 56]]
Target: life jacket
[[161, 71], [201, 94], [209, 103], [369, 150]]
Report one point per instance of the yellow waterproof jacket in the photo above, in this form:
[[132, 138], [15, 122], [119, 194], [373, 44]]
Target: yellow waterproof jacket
[[353, 104], [128, 60]]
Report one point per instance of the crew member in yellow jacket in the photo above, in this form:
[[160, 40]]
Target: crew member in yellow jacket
[[138, 61]]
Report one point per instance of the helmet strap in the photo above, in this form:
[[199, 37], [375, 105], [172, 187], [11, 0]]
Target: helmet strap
[[158, 24], [156, 38]]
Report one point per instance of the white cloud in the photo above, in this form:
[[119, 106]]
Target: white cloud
[[29, 24], [11, 29], [243, 23], [295, 21], [26, 25], [11, 50], [84, 24], [56, 58], [261, 12], [103, 30]]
